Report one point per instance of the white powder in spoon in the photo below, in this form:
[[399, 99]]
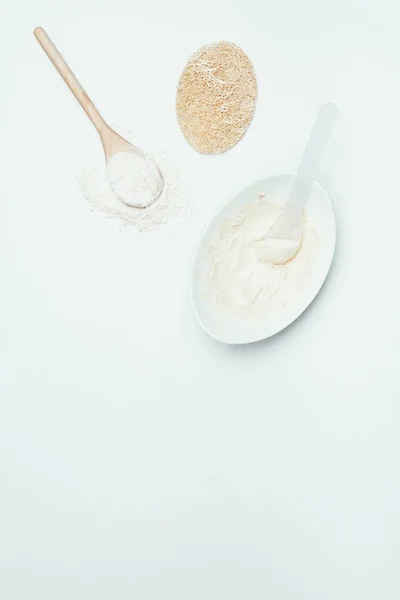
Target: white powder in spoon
[[174, 204], [135, 178]]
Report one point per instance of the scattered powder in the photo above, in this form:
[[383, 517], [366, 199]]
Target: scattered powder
[[174, 204], [135, 178], [216, 97], [244, 284]]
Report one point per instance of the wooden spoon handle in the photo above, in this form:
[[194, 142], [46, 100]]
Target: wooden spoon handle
[[70, 79]]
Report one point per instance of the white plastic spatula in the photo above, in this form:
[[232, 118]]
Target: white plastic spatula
[[282, 241]]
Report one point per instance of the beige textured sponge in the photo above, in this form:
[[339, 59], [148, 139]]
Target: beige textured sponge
[[216, 97]]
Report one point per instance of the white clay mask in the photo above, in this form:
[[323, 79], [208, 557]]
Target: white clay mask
[[242, 282]]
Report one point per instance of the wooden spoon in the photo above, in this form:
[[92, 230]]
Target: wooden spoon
[[112, 142]]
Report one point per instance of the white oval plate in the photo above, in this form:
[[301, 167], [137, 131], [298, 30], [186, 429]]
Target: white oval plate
[[236, 329]]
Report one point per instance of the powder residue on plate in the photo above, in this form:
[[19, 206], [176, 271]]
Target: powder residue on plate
[[242, 283], [216, 96]]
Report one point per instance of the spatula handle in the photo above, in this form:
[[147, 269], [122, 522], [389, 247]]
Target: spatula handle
[[317, 143], [70, 79]]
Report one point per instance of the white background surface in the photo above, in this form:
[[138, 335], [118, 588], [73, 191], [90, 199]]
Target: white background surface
[[138, 458]]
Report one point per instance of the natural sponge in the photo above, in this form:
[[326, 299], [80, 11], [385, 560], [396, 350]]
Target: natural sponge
[[216, 97]]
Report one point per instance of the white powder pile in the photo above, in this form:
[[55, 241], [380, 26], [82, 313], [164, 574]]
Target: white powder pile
[[173, 205], [135, 178], [244, 284], [216, 96]]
